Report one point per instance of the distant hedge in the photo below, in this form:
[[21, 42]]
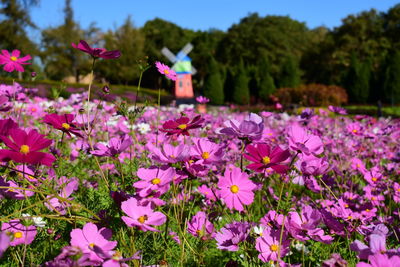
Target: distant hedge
[[313, 95]]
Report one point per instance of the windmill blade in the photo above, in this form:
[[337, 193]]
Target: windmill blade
[[194, 71], [185, 51], [168, 54]]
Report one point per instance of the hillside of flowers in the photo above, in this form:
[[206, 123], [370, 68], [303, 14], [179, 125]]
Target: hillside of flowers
[[88, 182]]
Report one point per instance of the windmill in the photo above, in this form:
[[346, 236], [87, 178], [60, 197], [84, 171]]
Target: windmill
[[184, 71]]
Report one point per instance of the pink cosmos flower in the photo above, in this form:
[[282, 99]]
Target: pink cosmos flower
[[154, 179], [264, 158], [12, 61], [269, 245], [201, 227], [89, 237], [182, 125], [301, 141], [355, 129], [4, 242], [96, 52], [168, 153], [250, 128], [142, 217], [206, 192], [229, 237], [62, 122], [202, 99], [13, 193], [24, 147], [165, 70], [19, 233], [115, 147], [236, 189], [380, 260], [206, 151]]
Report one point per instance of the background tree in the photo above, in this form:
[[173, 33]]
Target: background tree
[[241, 94], [130, 41], [60, 59], [213, 85], [391, 88], [289, 75], [266, 82]]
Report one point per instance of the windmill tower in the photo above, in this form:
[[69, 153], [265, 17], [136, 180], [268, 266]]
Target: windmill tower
[[184, 71]]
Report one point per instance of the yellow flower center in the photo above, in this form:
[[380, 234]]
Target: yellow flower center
[[266, 160], [14, 58], [367, 210], [66, 126], [234, 189], [156, 181], [205, 155], [182, 126], [374, 179], [346, 205], [18, 234], [349, 217], [142, 219], [92, 245], [398, 189], [358, 165], [373, 198], [274, 247], [354, 131], [166, 71], [33, 109], [24, 149]]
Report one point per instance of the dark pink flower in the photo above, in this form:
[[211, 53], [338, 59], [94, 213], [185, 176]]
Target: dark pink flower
[[264, 158], [229, 237], [12, 61], [24, 147], [62, 122], [96, 52], [182, 125]]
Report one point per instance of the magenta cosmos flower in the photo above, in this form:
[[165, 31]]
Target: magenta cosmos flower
[[206, 152], [24, 147], [63, 123], [201, 227], [264, 158], [115, 146], [154, 179], [182, 125], [141, 216], [89, 237], [269, 245], [250, 128], [165, 70], [303, 142], [229, 237], [381, 260], [12, 61], [19, 233], [96, 52], [202, 99], [236, 189]]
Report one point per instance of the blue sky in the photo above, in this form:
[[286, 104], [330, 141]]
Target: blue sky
[[201, 14]]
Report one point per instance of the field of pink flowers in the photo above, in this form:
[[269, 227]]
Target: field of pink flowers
[[95, 183]]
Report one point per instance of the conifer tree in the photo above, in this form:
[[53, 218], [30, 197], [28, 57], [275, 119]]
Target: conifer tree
[[391, 88], [266, 82], [241, 94], [213, 85]]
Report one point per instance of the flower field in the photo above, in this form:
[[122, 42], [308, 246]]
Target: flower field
[[96, 183]]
